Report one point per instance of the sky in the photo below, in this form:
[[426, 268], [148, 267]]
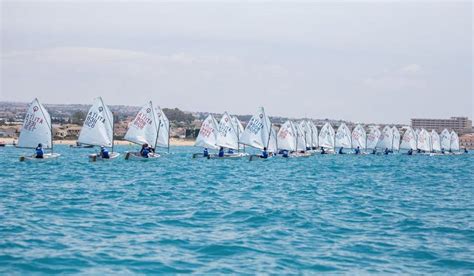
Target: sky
[[383, 62]]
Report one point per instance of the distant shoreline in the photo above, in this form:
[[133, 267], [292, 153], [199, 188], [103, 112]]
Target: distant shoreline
[[173, 142]]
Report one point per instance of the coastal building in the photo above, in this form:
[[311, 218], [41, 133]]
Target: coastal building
[[458, 124], [467, 141]]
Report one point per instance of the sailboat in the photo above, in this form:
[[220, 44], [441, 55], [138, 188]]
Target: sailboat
[[343, 137], [239, 128], [445, 138], [359, 137], [454, 142], [424, 141], [327, 137], [373, 138], [302, 143], [228, 137], [98, 129], [396, 139], [385, 139], [149, 125], [258, 132], [314, 136], [435, 142], [207, 136], [286, 137], [37, 129], [409, 140]]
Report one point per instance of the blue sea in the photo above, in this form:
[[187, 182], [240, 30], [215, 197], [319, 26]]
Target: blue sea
[[323, 214]]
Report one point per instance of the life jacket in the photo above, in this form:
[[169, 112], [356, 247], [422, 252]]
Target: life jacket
[[105, 153], [264, 154], [145, 152], [39, 152], [221, 153], [206, 153]]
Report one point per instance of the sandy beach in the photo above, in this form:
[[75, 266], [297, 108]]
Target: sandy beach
[[173, 142]]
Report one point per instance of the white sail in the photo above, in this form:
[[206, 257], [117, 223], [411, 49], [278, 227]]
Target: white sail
[[226, 134], [386, 138], [273, 143], [300, 138], [163, 123], [97, 129], [373, 137], [237, 126], [36, 127], [454, 141], [143, 128], [314, 135], [326, 136], [359, 137], [445, 138], [257, 131], [409, 139], [306, 133], [343, 137], [207, 136], [396, 138], [423, 142], [287, 137], [435, 141]]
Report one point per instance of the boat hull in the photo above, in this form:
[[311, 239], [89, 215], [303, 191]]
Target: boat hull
[[95, 157], [46, 157], [137, 156], [229, 156]]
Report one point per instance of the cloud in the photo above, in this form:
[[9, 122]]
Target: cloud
[[407, 76]]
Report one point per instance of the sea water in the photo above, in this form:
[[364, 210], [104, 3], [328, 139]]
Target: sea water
[[326, 213]]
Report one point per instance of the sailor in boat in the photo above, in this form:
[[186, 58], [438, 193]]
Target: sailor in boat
[[39, 151], [340, 150], [386, 151], [284, 153], [104, 153], [442, 151], [221, 152], [145, 150], [374, 151], [264, 153], [206, 152], [357, 150], [410, 152], [465, 151], [323, 151]]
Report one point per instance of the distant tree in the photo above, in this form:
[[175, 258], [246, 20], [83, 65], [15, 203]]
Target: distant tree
[[78, 117], [177, 115]]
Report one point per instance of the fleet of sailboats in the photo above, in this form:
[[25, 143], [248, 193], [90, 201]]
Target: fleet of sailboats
[[151, 128]]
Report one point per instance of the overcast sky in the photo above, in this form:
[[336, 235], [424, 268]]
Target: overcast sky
[[358, 61]]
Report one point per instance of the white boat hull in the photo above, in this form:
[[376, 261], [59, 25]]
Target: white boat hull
[[229, 155], [137, 156], [46, 157], [96, 157]]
